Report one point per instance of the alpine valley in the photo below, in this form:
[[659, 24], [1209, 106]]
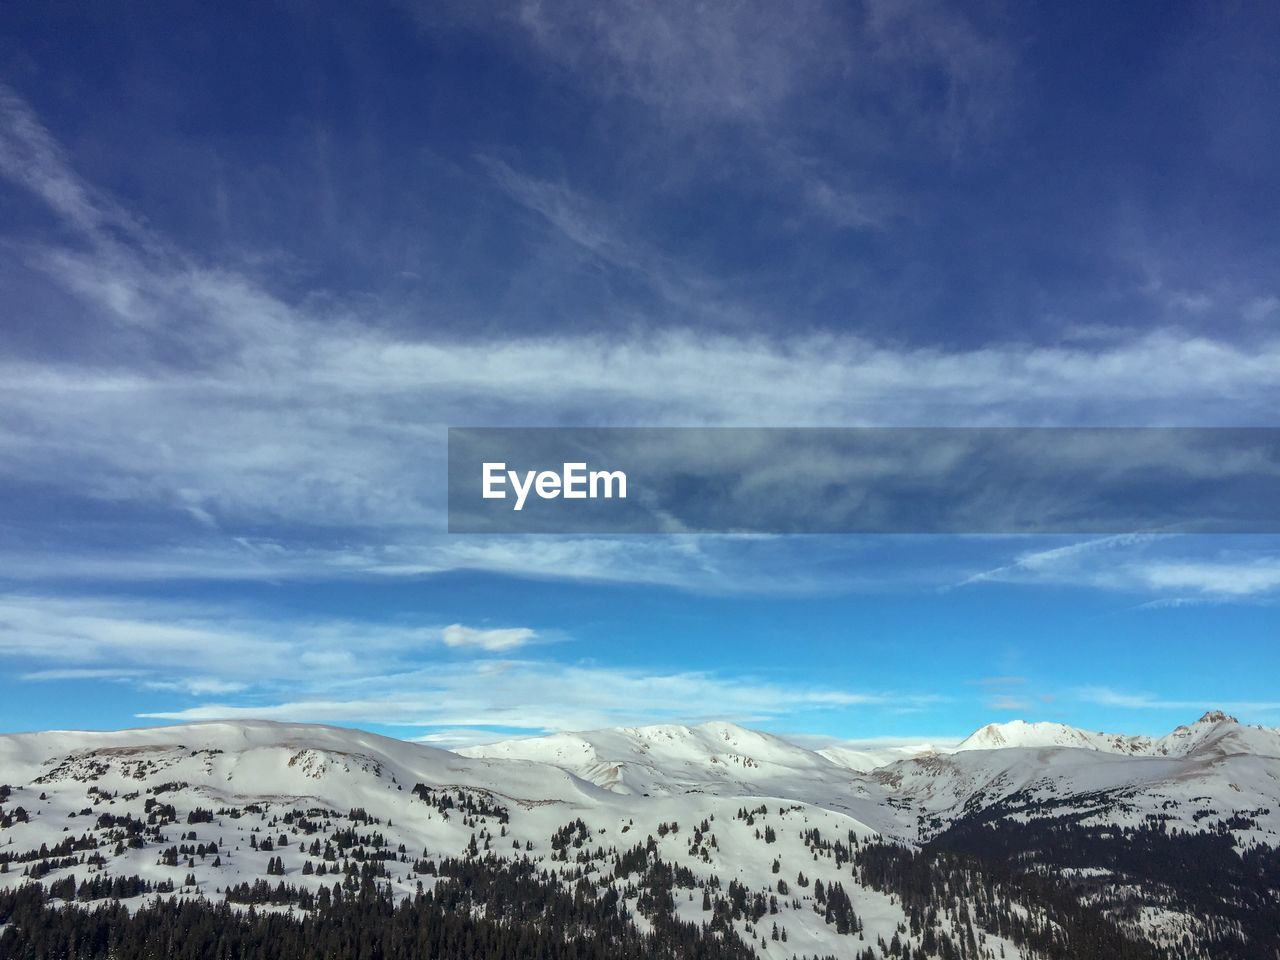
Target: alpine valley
[[256, 839]]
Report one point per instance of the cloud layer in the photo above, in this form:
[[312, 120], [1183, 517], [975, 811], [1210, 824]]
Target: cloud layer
[[261, 437], [384, 673]]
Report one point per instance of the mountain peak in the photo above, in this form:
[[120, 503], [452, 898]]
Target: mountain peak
[[1046, 733], [1217, 716]]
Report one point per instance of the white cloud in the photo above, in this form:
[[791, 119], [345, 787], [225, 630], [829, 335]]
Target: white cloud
[[1109, 697], [233, 442], [337, 670], [1145, 563], [1230, 579], [709, 564], [456, 635], [310, 420], [198, 686], [542, 696], [1057, 561], [31, 157], [194, 648], [144, 679], [83, 673]]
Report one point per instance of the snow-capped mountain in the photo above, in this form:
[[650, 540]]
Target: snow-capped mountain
[[1020, 733], [666, 757], [204, 808], [1195, 778], [671, 759], [1215, 727]]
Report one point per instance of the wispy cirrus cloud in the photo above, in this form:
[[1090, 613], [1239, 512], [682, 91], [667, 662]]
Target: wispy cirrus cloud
[[749, 63], [1109, 697], [738, 62], [30, 156], [266, 437], [1150, 563], [602, 237], [203, 649], [1238, 578], [142, 678], [118, 674], [543, 696], [705, 81], [388, 673]]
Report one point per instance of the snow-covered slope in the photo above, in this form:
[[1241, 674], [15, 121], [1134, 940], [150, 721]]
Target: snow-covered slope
[[1215, 764], [670, 759], [259, 791], [1217, 735], [1197, 778], [253, 793]]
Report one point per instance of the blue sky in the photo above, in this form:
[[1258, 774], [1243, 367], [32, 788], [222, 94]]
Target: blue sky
[[255, 260]]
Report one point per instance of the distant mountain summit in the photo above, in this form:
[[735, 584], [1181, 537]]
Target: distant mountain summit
[[666, 759], [1214, 730], [1217, 716], [1019, 733]]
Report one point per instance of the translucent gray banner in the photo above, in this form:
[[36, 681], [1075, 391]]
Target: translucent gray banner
[[612, 480]]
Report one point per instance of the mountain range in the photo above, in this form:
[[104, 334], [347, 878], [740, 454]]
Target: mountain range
[[1047, 819]]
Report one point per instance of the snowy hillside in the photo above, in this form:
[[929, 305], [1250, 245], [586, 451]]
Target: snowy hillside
[[671, 759], [199, 810]]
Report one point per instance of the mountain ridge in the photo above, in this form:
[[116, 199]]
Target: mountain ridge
[[200, 810]]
